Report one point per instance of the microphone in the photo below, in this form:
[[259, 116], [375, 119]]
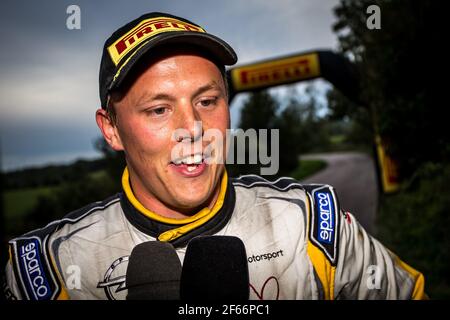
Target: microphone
[[215, 269], [153, 272]]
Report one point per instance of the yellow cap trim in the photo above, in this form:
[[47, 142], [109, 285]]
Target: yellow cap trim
[[190, 223], [325, 271]]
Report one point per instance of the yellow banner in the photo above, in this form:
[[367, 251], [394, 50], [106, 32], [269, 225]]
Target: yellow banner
[[147, 28], [275, 72]]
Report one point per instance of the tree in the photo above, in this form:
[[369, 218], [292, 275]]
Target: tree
[[398, 86], [359, 119], [115, 162], [78, 187], [300, 128], [258, 112], [406, 102]]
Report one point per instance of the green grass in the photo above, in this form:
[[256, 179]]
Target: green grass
[[18, 202], [414, 222], [307, 168], [99, 175], [337, 139]]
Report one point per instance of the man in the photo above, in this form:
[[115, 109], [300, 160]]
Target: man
[[162, 86]]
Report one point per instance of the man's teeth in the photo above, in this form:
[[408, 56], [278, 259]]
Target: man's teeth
[[195, 159]]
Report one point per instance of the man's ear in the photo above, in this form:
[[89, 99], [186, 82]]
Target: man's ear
[[108, 129]]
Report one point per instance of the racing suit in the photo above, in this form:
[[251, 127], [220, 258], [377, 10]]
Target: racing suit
[[299, 244]]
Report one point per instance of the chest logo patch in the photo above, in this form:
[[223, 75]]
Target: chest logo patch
[[114, 281], [324, 222]]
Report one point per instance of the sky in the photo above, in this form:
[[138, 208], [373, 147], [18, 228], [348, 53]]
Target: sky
[[49, 74]]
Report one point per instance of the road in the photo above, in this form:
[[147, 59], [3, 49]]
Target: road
[[354, 177]]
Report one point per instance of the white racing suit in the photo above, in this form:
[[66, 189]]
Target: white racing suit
[[299, 244]]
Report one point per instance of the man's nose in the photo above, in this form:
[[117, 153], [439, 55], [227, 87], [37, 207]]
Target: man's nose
[[191, 123]]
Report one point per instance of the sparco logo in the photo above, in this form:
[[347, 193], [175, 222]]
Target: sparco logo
[[326, 223], [33, 269], [114, 281]]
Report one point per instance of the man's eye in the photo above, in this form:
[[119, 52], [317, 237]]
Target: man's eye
[[208, 102], [158, 111]]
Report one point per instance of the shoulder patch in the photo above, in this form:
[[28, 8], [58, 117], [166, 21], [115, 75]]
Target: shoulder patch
[[33, 269], [31, 260], [324, 220]]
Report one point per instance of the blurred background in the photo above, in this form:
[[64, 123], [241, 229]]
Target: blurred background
[[371, 121]]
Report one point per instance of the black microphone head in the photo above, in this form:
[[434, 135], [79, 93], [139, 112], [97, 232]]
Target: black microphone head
[[215, 269], [153, 272]]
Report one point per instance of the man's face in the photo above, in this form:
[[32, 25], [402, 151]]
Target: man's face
[[173, 93]]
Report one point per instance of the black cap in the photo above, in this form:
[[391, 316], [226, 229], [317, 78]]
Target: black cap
[[137, 38]]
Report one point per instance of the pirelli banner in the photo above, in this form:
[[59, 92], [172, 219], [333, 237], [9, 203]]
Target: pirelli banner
[[295, 68], [325, 64]]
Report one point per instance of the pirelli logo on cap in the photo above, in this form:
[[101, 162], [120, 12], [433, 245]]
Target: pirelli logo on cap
[[275, 72], [144, 30]]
